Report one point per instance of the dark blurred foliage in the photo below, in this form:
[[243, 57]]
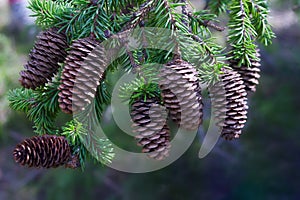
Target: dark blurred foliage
[[263, 164]]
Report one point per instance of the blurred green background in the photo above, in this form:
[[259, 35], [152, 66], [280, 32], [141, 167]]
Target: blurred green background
[[263, 164]]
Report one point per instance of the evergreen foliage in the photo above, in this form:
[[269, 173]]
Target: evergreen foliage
[[191, 32]]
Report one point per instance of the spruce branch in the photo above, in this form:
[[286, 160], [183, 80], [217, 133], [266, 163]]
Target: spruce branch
[[205, 23], [122, 37], [186, 36], [102, 99], [88, 142], [50, 13], [99, 148], [175, 25], [40, 106], [45, 110], [242, 33], [71, 131], [140, 88], [144, 43], [122, 7], [95, 23], [184, 11], [139, 16], [122, 44], [188, 31], [82, 130], [21, 99], [171, 19], [209, 51], [217, 6], [87, 19], [132, 59], [210, 73], [259, 12]]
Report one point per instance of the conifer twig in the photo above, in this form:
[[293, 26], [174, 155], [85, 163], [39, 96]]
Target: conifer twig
[[185, 12], [207, 23], [122, 37], [136, 19], [195, 37], [144, 40], [139, 16]]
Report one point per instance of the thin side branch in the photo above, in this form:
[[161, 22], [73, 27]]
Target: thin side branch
[[185, 12], [139, 16], [207, 23], [195, 37]]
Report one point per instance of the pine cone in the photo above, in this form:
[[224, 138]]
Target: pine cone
[[181, 93], [149, 121], [249, 74], [48, 51], [82, 73], [157, 145], [229, 99], [47, 151]]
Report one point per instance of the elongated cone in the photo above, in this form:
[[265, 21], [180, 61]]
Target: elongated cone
[[47, 151], [49, 50], [249, 74], [181, 92], [149, 122], [82, 74], [229, 101]]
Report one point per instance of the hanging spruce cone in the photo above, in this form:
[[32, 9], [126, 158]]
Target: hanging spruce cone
[[149, 122], [82, 73], [158, 145], [229, 100], [249, 74], [48, 51], [181, 92], [47, 151]]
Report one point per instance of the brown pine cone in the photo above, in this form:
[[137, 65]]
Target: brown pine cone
[[158, 145], [82, 73], [47, 151], [48, 51], [249, 74], [229, 101], [149, 122], [181, 92]]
